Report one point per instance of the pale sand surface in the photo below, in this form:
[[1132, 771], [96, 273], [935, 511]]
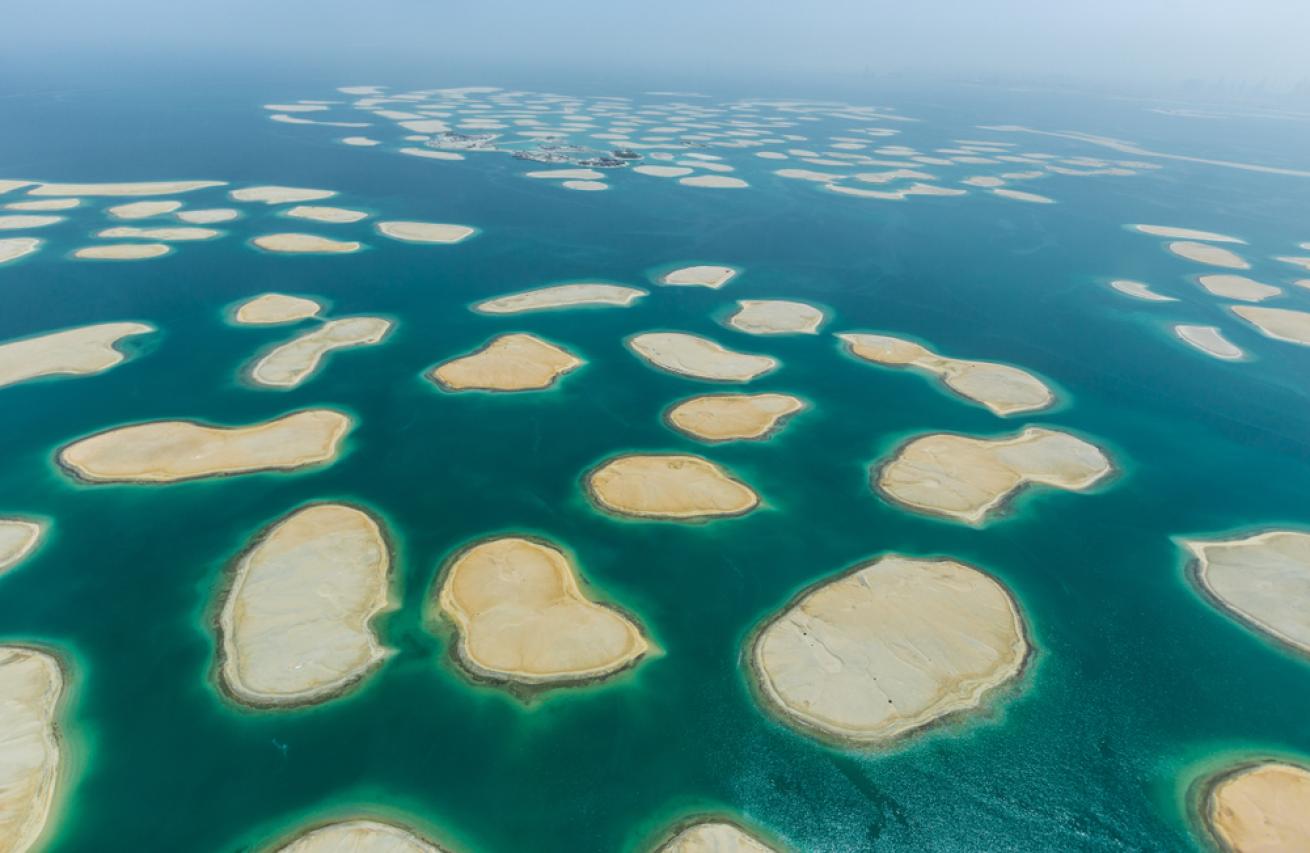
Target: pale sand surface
[[143, 209], [1004, 389], [127, 189], [662, 171], [1263, 579], [169, 451], [431, 154], [1238, 287], [704, 275], [31, 684], [47, 204], [1281, 324], [585, 186], [18, 539], [889, 648], [728, 417], [360, 141], [1206, 254], [276, 308], [280, 195], [668, 486], [714, 836], [522, 618], [208, 216], [326, 214], [295, 622], [80, 351], [305, 243], [1209, 340], [776, 317], [965, 479], [700, 358], [359, 836], [1173, 233], [561, 296], [568, 174], [1140, 291], [1020, 195], [1263, 808], [7, 185], [14, 248], [425, 232], [22, 221], [123, 252], [293, 362], [718, 182], [1303, 263], [180, 233], [513, 362]]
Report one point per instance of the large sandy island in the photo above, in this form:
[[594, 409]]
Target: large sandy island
[[318, 213], [1139, 290], [77, 352], [1263, 580], [776, 317], [1282, 324], [1238, 287], [18, 539], [131, 189], [679, 487], [965, 478], [1004, 389], [426, 232], [13, 248], [705, 275], [208, 216], [305, 243], [280, 195], [45, 204], [561, 296], [522, 617], [359, 836], [1172, 233], [1206, 254], [169, 451], [123, 252], [271, 308], [700, 358], [176, 234], [295, 623], [727, 417], [1209, 340], [888, 648], [714, 836], [292, 363], [31, 684], [143, 209], [513, 362], [1260, 808]]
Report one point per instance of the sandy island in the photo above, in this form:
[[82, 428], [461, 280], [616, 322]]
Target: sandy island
[[1020, 195], [561, 296], [170, 451], [888, 648], [18, 539], [513, 362], [679, 487], [1139, 290], [776, 317], [13, 248], [1259, 808], [129, 189], [143, 209], [81, 351], [705, 275], [700, 358], [208, 216], [176, 234], [18, 221], [1206, 254], [31, 686], [303, 243], [965, 478], [123, 252], [729, 417], [522, 618], [318, 213], [715, 182], [280, 195], [359, 836], [713, 836], [1238, 287], [276, 308], [1004, 389], [1263, 580], [1281, 324], [294, 361], [1172, 233], [425, 232], [1209, 340], [294, 626]]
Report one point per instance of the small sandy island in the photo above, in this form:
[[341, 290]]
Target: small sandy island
[[295, 623], [293, 362], [76, 352], [679, 487], [713, 836], [45, 204], [280, 195], [513, 362], [1209, 340], [1259, 808], [888, 648], [522, 618], [143, 209], [272, 308], [13, 248], [359, 836], [1139, 290], [1206, 254], [561, 296], [123, 252], [704, 275], [17, 221], [1004, 389], [170, 451], [176, 234], [966, 479], [1172, 233], [1238, 287], [208, 216], [18, 539], [776, 317], [1263, 580], [699, 358], [729, 417], [1281, 324], [304, 243], [140, 188], [425, 232], [326, 214], [31, 685]]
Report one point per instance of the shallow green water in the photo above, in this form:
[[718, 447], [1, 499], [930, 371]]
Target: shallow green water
[[1137, 686]]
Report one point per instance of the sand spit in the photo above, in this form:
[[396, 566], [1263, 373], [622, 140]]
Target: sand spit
[[7, 185], [326, 214], [31, 685], [431, 154], [167, 235], [1138, 290], [280, 195], [1281, 324], [776, 317], [359, 836], [129, 189], [513, 362], [714, 182], [1238, 287], [272, 308], [561, 296], [1263, 580], [699, 358], [425, 232], [1209, 340], [1303, 263], [46, 204], [123, 252], [966, 479], [714, 836], [13, 248], [294, 626], [522, 618], [662, 171], [23, 221], [143, 209], [293, 362], [1259, 808], [709, 276], [171, 451], [305, 244], [73, 352], [1020, 195], [568, 174], [18, 539], [208, 216], [1004, 389], [889, 648], [677, 487], [731, 417], [1173, 233], [1206, 254]]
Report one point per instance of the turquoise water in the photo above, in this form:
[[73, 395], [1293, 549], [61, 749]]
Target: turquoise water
[[1137, 687]]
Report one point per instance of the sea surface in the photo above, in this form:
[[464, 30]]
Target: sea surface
[[1138, 687]]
